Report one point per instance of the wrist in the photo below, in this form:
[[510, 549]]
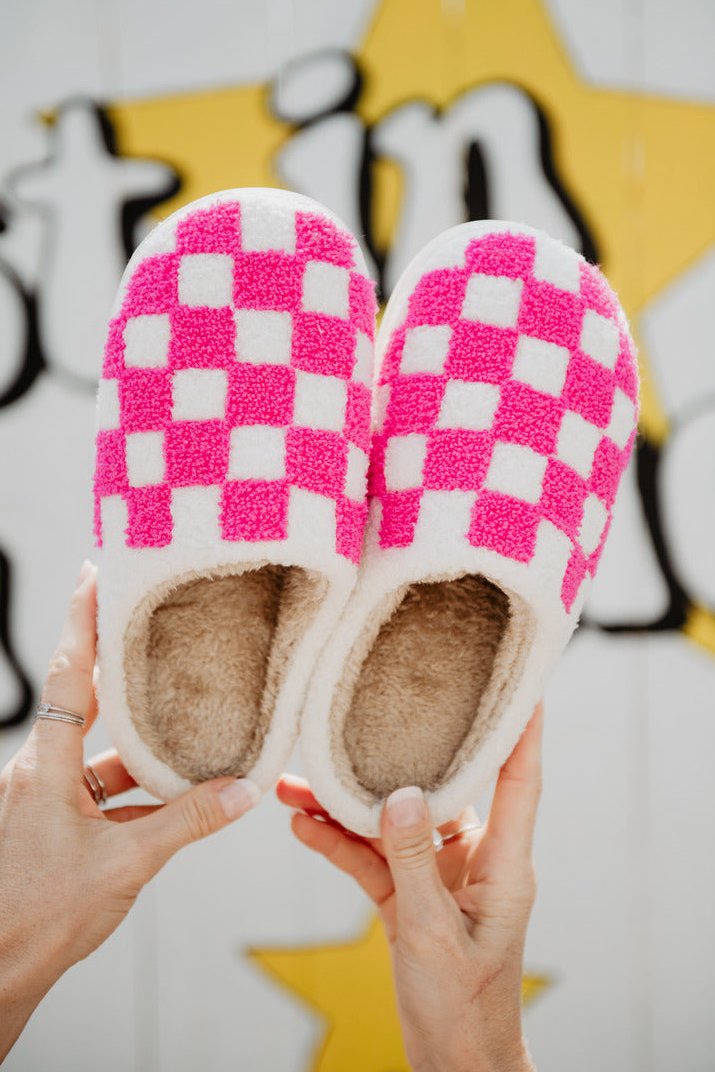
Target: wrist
[[29, 967], [517, 1061], [514, 1059], [487, 1042]]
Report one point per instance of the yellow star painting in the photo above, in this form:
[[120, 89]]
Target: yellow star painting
[[350, 987], [642, 168]]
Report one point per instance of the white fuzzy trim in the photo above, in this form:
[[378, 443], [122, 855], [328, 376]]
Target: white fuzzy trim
[[127, 575], [389, 570]]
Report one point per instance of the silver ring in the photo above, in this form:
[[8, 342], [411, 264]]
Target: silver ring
[[59, 714], [95, 785], [440, 840]]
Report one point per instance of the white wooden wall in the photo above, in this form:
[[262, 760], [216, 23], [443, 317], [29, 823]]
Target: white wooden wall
[[624, 928]]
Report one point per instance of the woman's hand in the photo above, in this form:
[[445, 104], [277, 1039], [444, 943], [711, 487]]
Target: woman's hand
[[455, 920], [70, 872]]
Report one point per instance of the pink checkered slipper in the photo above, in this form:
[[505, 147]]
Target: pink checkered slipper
[[506, 408], [233, 435]]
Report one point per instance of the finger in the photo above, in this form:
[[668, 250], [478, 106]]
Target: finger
[[516, 797], [459, 827], [131, 811], [69, 682], [410, 851], [355, 858], [296, 793], [194, 815], [456, 843], [110, 769]]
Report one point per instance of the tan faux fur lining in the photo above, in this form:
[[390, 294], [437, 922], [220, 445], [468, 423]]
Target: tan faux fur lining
[[424, 684], [204, 658]]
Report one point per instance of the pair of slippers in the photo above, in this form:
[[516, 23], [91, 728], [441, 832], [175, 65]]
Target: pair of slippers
[[252, 585]]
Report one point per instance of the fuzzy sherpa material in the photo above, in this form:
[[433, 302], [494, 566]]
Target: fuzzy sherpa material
[[233, 425], [506, 408]]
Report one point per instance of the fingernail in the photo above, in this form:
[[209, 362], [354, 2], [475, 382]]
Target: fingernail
[[86, 567], [239, 797], [406, 807]]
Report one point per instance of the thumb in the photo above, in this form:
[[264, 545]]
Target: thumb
[[200, 811], [410, 852]]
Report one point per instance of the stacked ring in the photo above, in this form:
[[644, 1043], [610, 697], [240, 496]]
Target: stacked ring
[[59, 714], [95, 785]]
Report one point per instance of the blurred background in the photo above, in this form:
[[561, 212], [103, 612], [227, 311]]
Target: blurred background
[[595, 122]]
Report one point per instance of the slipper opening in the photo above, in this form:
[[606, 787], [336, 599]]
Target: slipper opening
[[425, 685], [205, 660]]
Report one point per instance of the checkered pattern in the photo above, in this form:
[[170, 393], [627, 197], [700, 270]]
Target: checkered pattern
[[508, 396], [240, 366]]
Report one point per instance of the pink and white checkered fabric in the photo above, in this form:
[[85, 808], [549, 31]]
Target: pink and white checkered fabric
[[241, 360], [512, 380]]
